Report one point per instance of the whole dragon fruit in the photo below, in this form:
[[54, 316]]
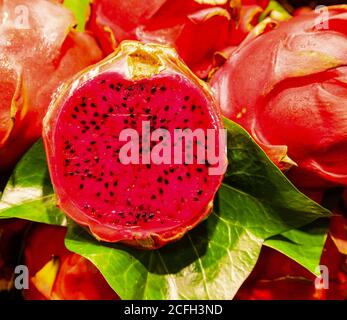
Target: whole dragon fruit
[[37, 53], [179, 23], [56, 273], [293, 98], [142, 92]]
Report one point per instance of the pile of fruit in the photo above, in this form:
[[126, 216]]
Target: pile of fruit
[[173, 149]]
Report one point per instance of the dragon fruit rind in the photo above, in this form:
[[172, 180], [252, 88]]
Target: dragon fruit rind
[[139, 92]]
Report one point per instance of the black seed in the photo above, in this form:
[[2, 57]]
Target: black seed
[[166, 108], [115, 184], [97, 128], [199, 169], [160, 179], [148, 99], [86, 127], [148, 166], [74, 116], [108, 147], [98, 194], [81, 186], [112, 86], [93, 105], [142, 87], [153, 197], [199, 192], [180, 178], [162, 88], [96, 114], [83, 105], [92, 142], [184, 107], [188, 174], [162, 120], [193, 107], [186, 120], [172, 170], [186, 98], [132, 116], [93, 122], [138, 216], [83, 122], [124, 105], [147, 110], [126, 121], [166, 181], [110, 109], [166, 172], [153, 90], [72, 151], [99, 179], [111, 193], [104, 98], [76, 109], [151, 216], [106, 184], [102, 81]]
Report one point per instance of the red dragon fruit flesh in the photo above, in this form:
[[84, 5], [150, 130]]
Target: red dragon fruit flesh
[[131, 106]]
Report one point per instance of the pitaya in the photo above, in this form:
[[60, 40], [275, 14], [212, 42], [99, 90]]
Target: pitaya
[[37, 53], [143, 88], [197, 29], [56, 273], [287, 87]]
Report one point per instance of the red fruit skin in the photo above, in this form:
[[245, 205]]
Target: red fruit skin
[[292, 98], [178, 23], [76, 279], [301, 10], [34, 62]]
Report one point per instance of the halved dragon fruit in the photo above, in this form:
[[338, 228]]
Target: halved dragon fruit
[[113, 163]]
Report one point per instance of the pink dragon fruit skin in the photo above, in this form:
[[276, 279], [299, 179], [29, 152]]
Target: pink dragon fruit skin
[[144, 205]]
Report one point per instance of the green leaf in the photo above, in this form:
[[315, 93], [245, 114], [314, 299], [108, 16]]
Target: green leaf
[[81, 10], [29, 193], [211, 262], [255, 202], [303, 245]]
